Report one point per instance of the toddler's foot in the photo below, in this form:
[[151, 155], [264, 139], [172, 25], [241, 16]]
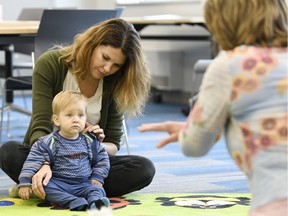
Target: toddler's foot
[[13, 192], [104, 201]]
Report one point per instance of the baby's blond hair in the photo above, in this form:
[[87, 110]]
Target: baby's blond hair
[[65, 98]]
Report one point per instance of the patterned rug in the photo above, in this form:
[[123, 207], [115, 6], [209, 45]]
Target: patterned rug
[[142, 205]]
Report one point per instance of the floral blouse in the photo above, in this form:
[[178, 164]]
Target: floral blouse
[[244, 96]]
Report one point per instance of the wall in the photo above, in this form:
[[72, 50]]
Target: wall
[[12, 8], [185, 8], [1, 11]]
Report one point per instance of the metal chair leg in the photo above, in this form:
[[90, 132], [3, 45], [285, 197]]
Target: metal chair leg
[[125, 139]]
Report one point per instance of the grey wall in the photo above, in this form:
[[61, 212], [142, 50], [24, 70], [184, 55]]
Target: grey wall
[[184, 8], [12, 8]]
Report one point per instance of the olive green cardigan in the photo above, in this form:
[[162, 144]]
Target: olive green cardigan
[[48, 77]]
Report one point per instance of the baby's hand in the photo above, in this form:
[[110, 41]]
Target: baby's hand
[[96, 182], [25, 192]]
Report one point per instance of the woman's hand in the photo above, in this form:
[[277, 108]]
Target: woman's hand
[[171, 127], [41, 178], [96, 130], [99, 132]]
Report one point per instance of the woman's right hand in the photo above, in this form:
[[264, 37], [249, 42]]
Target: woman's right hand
[[41, 178], [99, 132]]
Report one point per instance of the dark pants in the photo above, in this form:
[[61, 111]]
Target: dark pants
[[128, 173]]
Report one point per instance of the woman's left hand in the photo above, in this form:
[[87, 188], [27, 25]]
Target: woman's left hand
[[95, 129], [40, 179]]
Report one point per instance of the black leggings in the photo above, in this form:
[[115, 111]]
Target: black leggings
[[128, 173]]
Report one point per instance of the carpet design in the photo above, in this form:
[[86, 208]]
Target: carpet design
[[142, 205]]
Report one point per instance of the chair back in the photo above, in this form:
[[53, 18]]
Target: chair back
[[59, 27], [28, 14], [199, 69], [31, 14]]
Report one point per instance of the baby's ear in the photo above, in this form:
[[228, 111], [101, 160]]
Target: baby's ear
[[55, 120]]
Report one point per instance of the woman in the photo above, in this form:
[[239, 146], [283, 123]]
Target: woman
[[106, 64], [244, 94]]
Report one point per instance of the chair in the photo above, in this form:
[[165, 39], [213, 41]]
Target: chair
[[198, 71], [125, 140], [7, 94], [60, 26], [28, 14], [55, 29]]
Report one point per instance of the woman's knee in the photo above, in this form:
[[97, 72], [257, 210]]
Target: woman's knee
[[13, 149], [150, 169], [146, 168], [7, 150], [12, 156]]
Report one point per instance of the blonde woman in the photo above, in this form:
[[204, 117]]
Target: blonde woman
[[106, 64]]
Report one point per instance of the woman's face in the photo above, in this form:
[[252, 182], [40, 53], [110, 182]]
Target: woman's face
[[106, 60]]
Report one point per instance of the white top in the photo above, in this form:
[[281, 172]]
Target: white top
[[94, 102]]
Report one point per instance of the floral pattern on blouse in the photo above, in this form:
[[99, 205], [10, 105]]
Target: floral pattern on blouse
[[255, 66], [271, 131]]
